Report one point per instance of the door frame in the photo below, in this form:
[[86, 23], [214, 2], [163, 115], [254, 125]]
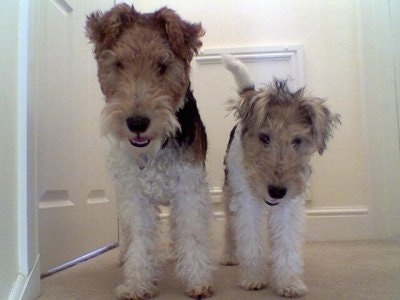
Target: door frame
[[27, 283]]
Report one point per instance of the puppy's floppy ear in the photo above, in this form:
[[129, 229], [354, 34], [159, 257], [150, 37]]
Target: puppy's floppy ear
[[322, 120], [252, 107], [104, 29], [184, 37]]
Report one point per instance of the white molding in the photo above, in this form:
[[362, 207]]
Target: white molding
[[334, 223], [322, 223], [293, 54], [216, 194], [337, 211], [27, 287], [22, 138], [338, 224]]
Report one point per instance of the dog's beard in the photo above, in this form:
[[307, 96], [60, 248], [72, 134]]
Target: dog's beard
[[143, 147], [143, 155]]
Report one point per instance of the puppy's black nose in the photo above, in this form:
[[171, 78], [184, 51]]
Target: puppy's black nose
[[276, 192], [138, 124]]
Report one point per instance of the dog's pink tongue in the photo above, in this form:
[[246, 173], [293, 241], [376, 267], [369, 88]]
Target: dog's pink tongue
[[139, 141]]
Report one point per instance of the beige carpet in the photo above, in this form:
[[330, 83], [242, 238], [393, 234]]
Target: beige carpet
[[334, 270]]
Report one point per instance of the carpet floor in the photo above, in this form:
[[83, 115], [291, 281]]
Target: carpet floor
[[333, 270]]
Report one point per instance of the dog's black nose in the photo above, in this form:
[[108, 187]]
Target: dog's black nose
[[138, 124], [276, 192]]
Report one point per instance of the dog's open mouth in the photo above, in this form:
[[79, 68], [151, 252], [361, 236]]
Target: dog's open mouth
[[139, 141]]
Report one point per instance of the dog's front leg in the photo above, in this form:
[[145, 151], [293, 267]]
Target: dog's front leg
[[285, 223], [249, 226], [141, 260], [191, 213]]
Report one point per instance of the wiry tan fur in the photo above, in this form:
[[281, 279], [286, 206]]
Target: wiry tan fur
[[267, 162], [157, 144], [143, 70], [297, 125]]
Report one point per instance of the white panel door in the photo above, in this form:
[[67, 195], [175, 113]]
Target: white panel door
[[76, 208]]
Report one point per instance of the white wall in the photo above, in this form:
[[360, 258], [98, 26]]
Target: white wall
[[380, 40], [8, 156]]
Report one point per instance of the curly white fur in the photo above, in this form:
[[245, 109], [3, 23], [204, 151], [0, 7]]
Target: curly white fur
[[165, 180]]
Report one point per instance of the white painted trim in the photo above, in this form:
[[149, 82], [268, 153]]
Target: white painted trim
[[338, 223], [334, 223], [337, 211], [291, 53], [323, 223], [22, 138], [216, 194], [27, 287]]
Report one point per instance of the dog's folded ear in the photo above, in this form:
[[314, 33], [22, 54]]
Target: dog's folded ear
[[322, 120], [104, 29], [183, 37]]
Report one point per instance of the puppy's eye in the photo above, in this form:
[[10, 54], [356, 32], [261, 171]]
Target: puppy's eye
[[119, 65], [297, 142], [161, 68], [264, 138]]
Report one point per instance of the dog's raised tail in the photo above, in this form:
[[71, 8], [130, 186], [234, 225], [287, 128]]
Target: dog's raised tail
[[242, 77]]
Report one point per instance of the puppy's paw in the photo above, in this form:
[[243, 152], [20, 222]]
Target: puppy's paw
[[253, 285], [126, 293], [294, 289], [200, 292]]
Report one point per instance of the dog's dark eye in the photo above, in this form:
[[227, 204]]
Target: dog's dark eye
[[161, 68], [119, 65], [264, 138], [297, 142]]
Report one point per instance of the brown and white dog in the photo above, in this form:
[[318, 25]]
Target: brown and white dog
[[157, 143], [267, 168]]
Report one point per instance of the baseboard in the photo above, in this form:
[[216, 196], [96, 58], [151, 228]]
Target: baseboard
[[338, 224], [322, 223], [27, 287]]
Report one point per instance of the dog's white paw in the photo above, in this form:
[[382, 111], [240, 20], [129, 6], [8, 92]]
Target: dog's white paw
[[200, 292], [124, 292], [294, 289], [253, 285]]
